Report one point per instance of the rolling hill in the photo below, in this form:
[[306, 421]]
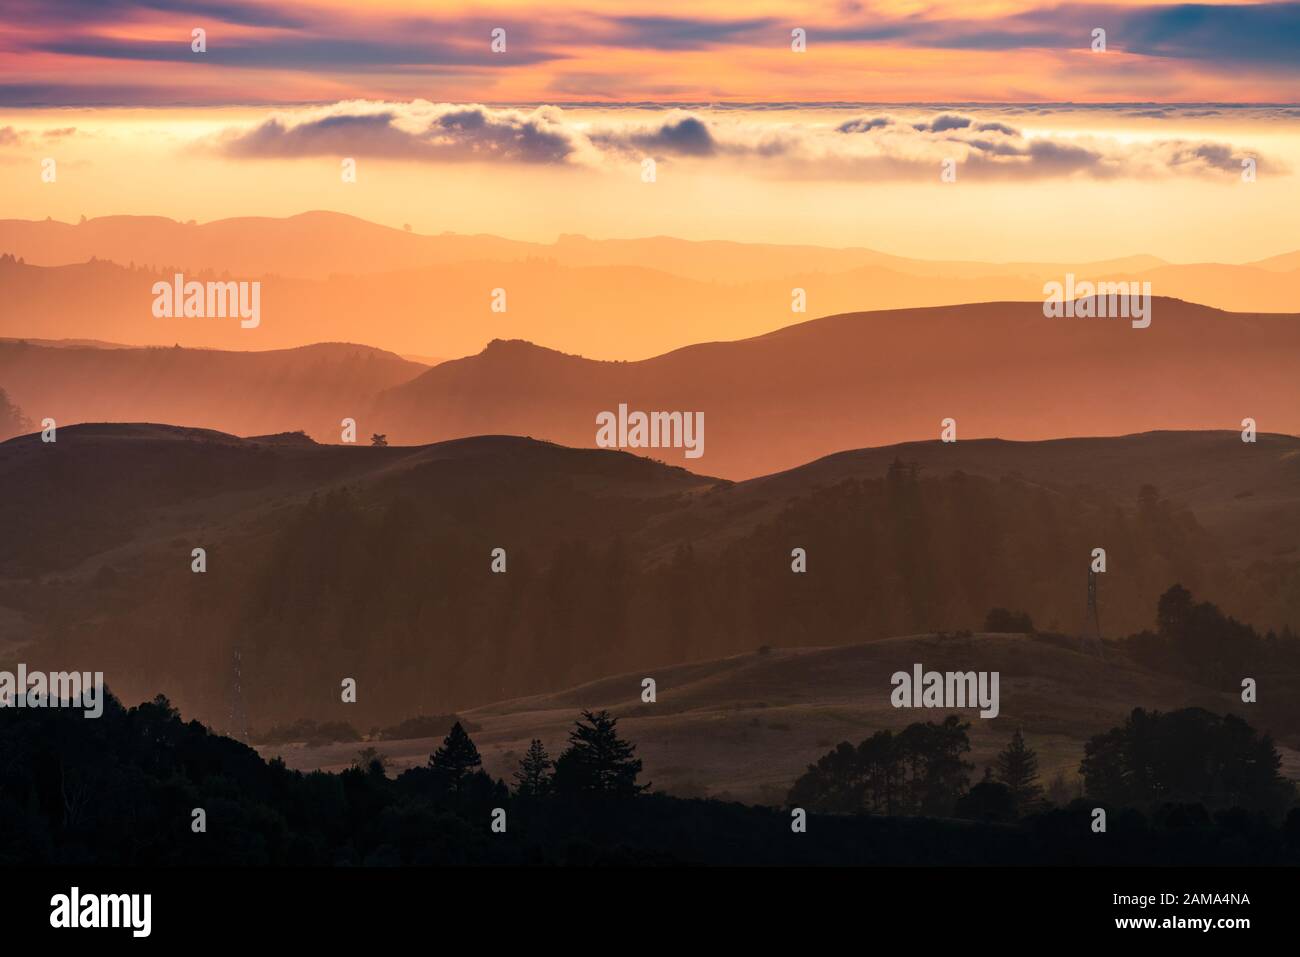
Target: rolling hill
[[867, 379], [745, 727], [332, 562], [310, 388], [770, 403]]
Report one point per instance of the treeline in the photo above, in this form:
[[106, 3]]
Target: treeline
[[395, 591], [124, 790], [1189, 759], [1197, 641], [610, 568]]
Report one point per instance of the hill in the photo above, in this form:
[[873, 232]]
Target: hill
[[330, 562], [311, 388], [745, 727], [770, 403], [877, 378]]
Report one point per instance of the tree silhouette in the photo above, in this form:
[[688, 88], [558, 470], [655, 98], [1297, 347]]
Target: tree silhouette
[[598, 760], [534, 774], [989, 801], [12, 420], [456, 760], [1002, 621], [1173, 611], [372, 761], [919, 770], [1018, 770], [1186, 755]]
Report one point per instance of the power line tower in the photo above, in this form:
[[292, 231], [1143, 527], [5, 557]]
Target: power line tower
[[238, 716], [1091, 622]]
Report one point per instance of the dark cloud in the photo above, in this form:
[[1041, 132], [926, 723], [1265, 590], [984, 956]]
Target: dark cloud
[[942, 123], [416, 131], [294, 52], [84, 13], [678, 33], [865, 124], [1256, 34], [679, 135], [1217, 156]]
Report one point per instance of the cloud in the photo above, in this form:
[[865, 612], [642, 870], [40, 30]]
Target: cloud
[[943, 123], [864, 124], [415, 131], [678, 33], [682, 134], [1254, 34], [861, 147]]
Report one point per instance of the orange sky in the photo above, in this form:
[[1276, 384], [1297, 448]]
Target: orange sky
[[124, 52], [1031, 184], [259, 123]]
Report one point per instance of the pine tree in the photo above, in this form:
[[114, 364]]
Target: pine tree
[[534, 774], [1018, 770], [457, 759], [598, 760]]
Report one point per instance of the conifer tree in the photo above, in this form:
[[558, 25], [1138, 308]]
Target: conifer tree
[[597, 759], [534, 775], [457, 759], [1018, 770]]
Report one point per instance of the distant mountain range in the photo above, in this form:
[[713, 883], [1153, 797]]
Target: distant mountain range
[[770, 403], [330, 276]]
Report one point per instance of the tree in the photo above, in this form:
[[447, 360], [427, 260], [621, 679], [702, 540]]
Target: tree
[[1002, 621], [1186, 756], [457, 759], [372, 761], [534, 775], [1018, 770], [12, 420], [598, 760], [1173, 611], [919, 770], [989, 801]]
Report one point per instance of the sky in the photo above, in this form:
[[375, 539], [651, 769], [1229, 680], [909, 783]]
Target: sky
[[935, 130], [137, 53]]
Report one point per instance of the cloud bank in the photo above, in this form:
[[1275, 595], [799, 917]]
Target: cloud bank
[[862, 146]]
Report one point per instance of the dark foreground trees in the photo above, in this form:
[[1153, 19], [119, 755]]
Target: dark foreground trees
[[919, 770], [122, 789], [1186, 756], [533, 779], [598, 761], [1017, 768]]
